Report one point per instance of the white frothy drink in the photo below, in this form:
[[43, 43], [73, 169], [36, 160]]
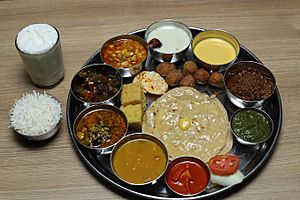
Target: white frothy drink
[[37, 38], [40, 50]]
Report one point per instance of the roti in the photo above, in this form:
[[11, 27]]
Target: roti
[[228, 145], [208, 128], [152, 82]]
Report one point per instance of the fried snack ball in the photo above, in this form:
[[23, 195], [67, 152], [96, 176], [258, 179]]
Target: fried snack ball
[[189, 67], [164, 68], [188, 81], [173, 78], [216, 79], [201, 76]]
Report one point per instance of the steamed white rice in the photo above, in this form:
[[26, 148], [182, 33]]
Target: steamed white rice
[[35, 114]]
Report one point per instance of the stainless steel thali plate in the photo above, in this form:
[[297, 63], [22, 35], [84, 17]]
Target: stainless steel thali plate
[[253, 158]]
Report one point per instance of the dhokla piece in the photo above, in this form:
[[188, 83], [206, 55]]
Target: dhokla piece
[[133, 94], [133, 102], [134, 114]]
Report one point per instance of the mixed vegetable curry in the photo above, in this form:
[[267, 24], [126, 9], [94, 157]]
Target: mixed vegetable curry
[[101, 128]]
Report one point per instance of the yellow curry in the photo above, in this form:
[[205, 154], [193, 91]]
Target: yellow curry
[[139, 161], [215, 51]]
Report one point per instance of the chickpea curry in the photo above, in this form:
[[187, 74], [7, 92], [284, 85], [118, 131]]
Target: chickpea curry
[[101, 128], [124, 53]]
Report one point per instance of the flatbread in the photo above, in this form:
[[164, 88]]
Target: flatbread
[[208, 132], [152, 82], [228, 144]]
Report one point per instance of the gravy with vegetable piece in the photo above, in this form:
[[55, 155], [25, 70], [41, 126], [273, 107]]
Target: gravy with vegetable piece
[[101, 128], [124, 53]]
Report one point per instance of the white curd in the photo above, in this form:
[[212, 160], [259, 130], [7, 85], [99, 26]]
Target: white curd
[[173, 38]]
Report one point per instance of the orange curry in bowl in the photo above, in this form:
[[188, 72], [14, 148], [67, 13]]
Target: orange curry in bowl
[[100, 128], [124, 53]]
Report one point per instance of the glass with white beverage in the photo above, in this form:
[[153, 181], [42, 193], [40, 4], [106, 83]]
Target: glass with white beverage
[[40, 50]]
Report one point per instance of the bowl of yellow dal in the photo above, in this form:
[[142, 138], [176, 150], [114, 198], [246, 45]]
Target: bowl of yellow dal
[[139, 159]]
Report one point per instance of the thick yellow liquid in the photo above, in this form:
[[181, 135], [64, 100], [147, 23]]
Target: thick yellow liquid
[[215, 51], [139, 161]]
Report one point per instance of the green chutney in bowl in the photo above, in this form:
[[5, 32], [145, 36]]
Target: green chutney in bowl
[[251, 126]]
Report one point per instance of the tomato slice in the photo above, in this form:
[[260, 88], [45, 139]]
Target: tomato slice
[[224, 165]]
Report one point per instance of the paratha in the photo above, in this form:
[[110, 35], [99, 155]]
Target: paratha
[[208, 130]]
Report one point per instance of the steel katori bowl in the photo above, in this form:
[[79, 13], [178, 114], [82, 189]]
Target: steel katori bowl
[[169, 25], [42, 135], [185, 160], [230, 80], [243, 136], [92, 109], [99, 69], [139, 137], [126, 71], [221, 36]]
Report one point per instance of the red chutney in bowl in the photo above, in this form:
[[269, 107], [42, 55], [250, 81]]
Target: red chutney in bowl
[[187, 176]]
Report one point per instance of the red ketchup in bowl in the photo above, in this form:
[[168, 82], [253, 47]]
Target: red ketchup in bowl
[[187, 177]]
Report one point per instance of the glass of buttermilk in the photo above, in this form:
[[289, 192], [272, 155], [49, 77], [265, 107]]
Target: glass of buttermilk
[[40, 49]]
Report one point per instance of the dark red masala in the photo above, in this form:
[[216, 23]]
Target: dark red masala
[[249, 84]]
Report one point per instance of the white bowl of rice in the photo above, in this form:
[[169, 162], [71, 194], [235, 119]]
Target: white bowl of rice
[[36, 116]]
